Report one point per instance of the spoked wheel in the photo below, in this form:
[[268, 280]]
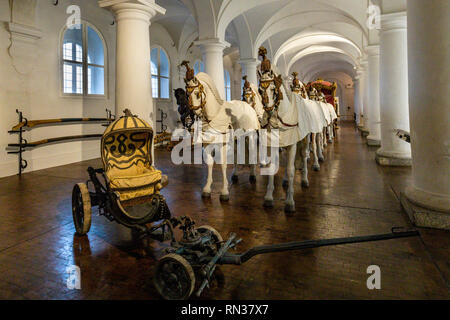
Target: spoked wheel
[[215, 235], [174, 277], [81, 208]]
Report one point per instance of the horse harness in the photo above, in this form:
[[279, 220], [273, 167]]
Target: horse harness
[[278, 97]]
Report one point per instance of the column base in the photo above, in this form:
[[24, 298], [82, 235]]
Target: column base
[[426, 209], [394, 160], [373, 142]]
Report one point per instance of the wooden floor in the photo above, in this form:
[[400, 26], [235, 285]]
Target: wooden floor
[[350, 196]]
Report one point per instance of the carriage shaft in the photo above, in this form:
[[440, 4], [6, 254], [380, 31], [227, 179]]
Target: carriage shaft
[[244, 257]]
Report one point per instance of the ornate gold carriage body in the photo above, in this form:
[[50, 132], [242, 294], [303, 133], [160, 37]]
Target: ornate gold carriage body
[[326, 87], [130, 191]]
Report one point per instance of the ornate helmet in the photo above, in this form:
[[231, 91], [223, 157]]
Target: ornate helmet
[[189, 72], [295, 82], [265, 64], [246, 83]]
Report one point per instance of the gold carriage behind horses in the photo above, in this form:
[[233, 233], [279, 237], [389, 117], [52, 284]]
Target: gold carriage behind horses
[[130, 190], [327, 88]]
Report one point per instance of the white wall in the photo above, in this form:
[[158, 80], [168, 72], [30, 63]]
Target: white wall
[[33, 86]]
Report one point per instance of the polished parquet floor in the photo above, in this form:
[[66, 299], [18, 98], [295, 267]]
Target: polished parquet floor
[[350, 196]]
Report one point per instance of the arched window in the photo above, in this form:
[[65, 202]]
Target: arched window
[[227, 85], [160, 69], [199, 67], [83, 61]]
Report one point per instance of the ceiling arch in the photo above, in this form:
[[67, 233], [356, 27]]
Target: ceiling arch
[[304, 40]]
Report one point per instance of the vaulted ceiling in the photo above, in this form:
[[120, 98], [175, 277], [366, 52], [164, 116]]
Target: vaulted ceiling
[[307, 36]]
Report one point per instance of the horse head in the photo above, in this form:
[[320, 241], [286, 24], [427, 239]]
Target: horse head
[[247, 93], [194, 90]]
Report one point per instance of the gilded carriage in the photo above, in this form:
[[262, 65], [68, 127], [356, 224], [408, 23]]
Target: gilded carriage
[[325, 87], [130, 191]]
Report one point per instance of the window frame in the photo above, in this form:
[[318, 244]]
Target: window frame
[[85, 65], [159, 76]]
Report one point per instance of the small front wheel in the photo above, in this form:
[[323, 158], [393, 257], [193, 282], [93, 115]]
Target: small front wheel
[[174, 277], [81, 208], [216, 237]]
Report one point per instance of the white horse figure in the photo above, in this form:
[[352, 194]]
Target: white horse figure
[[251, 96], [321, 141], [217, 116], [329, 110], [315, 121], [282, 116]]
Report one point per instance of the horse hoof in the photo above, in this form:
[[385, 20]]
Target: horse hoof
[[224, 197], [252, 179], [234, 178], [268, 203], [285, 183], [206, 195], [321, 159], [316, 167], [305, 184], [289, 208]]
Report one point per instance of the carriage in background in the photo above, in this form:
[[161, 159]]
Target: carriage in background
[[327, 88]]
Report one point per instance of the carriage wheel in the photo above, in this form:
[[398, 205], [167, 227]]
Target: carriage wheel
[[81, 208], [174, 277], [217, 238]]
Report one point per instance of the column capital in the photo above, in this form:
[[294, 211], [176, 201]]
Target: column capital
[[373, 50], [212, 45], [393, 21], [132, 9], [249, 61]]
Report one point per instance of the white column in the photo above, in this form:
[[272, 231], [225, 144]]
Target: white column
[[249, 67], [361, 87], [356, 102], [133, 79], [429, 71], [374, 137], [365, 98], [212, 50], [394, 113]]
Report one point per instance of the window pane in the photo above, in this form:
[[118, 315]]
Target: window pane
[[73, 45], [154, 61], [196, 67], [72, 78], [155, 87], [164, 64], [228, 94], [202, 66], [164, 88], [79, 79], [95, 48], [96, 80], [227, 78], [67, 77]]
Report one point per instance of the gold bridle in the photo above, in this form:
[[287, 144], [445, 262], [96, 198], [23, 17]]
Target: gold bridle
[[201, 94], [249, 95], [264, 85]]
